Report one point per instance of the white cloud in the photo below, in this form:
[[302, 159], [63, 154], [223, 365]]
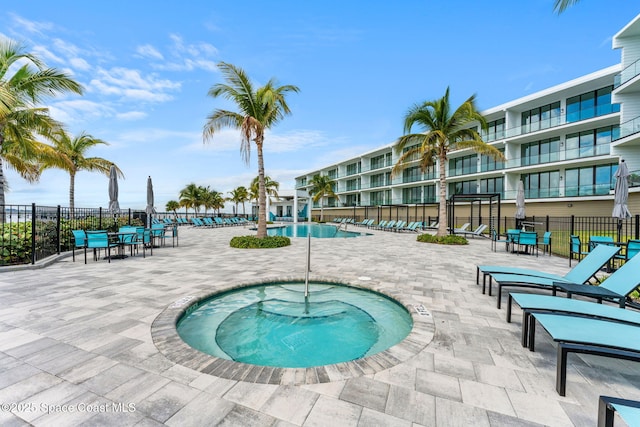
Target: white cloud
[[131, 115], [77, 110], [293, 141], [80, 64], [149, 51], [46, 55], [28, 26], [131, 84]]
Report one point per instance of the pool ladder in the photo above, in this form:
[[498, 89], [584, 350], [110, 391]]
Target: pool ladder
[[308, 267]]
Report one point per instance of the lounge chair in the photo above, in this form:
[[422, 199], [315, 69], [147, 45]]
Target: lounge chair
[[629, 411], [412, 226], [595, 257], [477, 232], [464, 228], [587, 336], [582, 273], [534, 303], [433, 226]]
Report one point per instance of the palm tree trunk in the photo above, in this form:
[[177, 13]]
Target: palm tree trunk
[[262, 196], [2, 200], [72, 191], [442, 202]]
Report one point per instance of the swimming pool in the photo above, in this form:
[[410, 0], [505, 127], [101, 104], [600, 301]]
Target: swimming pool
[[275, 325], [317, 230]]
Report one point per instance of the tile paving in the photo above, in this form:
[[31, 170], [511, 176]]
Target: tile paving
[[86, 344]]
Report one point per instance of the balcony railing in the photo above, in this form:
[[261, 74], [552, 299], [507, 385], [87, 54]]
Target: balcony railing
[[629, 127], [627, 74]]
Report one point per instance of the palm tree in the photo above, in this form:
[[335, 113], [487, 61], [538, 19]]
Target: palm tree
[[442, 132], [190, 197], [172, 205], [25, 82], [71, 158], [561, 5], [321, 187], [260, 109], [271, 188], [239, 195]]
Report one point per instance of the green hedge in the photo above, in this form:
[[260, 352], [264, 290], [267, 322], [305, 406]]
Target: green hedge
[[252, 242], [450, 239]]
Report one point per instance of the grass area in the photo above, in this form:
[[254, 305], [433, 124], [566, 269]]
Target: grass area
[[450, 239], [252, 242]]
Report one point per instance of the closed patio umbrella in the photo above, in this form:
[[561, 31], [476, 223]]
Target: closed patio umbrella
[[114, 206], [520, 214], [621, 195], [150, 209]]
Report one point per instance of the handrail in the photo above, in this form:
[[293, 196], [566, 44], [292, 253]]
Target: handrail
[[308, 266]]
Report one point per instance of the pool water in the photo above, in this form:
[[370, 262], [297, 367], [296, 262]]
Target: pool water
[[273, 325], [316, 230]]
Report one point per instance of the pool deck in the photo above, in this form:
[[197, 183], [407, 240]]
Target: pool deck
[[77, 346]]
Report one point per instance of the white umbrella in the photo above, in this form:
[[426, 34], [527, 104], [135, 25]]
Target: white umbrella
[[114, 206], [621, 192], [520, 201]]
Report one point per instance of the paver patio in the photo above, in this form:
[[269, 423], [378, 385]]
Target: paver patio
[[76, 346]]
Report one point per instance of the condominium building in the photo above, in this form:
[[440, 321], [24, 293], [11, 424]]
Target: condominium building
[[564, 143]]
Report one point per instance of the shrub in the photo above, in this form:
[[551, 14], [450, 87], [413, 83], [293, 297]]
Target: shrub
[[450, 239], [252, 242]]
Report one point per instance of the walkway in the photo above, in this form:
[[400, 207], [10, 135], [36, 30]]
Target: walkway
[[76, 346]]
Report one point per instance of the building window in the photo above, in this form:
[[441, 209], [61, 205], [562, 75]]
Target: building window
[[353, 184], [495, 130], [594, 142], [543, 151], [332, 174], [492, 185], [463, 165], [353, 168], [541, 185], [411, 174], [376, 198], [377, 162], [591, 104], [412, 195], [463, 187], [590, 180], [488, 163], [429, 192], [353, 200], [541, 118], [376, 180]]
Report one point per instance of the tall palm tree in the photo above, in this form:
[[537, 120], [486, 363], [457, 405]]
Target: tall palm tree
[[321, 187], [561, 5], [441, 132], [239, 195], [71, 158], [260, 109], [172, 206], [25, 82], [190, 197]]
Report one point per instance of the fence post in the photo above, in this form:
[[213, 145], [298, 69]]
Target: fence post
[[637, 227], [33, 233], [572, 229], [546, 227], [58, 243], [100, 218]]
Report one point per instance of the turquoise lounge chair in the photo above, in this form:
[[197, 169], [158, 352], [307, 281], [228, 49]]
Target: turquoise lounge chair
[[582, 273], [594, 257], [629, 411], [586, 336]]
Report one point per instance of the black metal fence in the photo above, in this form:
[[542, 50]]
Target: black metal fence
[[29, 233]]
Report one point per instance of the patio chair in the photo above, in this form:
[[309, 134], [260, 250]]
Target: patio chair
[[575, 249], [582, 273], [97, 240], [477, 232], [128, 236], [463, 228], [79, 241], [583, 335], [629, 411], [587, 264], [545, 243], [632, 247], [495, 239], [528, 239]]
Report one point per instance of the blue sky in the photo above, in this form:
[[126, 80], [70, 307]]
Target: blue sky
[[147, 66]]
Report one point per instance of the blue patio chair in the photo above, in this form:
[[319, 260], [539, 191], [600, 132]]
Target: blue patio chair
[[97, 240], [157, 234], [632, 247], [583, 335], [545, 242], [575, 249], [528, 239], [128, 236], [629, 411], [79, 241], [582, 273]]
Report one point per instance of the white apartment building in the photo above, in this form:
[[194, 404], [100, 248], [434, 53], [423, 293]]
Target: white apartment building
[[564, 143]]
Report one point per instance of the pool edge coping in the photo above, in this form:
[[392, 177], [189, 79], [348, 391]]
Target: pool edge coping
[[166, 339]]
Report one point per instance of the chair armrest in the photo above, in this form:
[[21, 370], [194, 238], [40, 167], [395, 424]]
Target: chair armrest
[[586, 290]]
